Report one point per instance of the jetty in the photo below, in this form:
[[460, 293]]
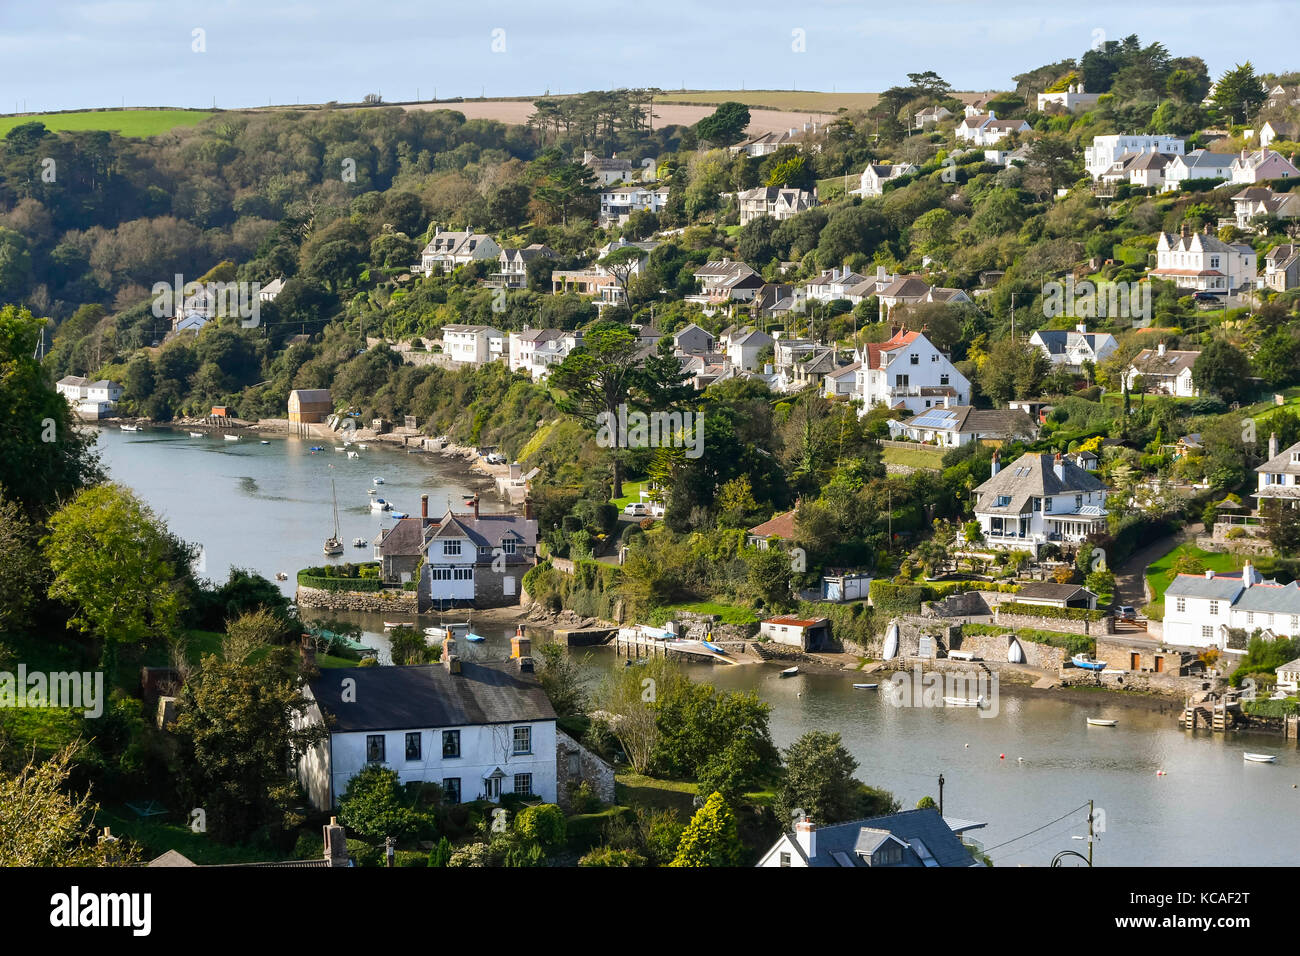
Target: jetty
[[1218, 713], [639, 642]]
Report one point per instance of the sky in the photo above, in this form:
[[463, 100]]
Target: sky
[[65, 54]]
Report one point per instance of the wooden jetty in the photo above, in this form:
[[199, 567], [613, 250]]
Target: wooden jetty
[[1211, 711]]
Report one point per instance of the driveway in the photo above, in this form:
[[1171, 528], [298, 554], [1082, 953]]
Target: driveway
[[1130, 576]]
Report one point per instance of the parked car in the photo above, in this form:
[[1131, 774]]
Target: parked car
[[637, 509], [496, 458], [1205, 297], [1124, 612]]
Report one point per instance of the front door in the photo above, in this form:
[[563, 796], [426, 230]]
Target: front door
[[492, 788]]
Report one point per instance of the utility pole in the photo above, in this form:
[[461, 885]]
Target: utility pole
[[941, 796], [1089, 833]]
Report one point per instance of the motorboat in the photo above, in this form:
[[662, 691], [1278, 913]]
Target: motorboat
[[358, 542], [965, 702], [1087, 663], [264, 443], [197, 435], [230, 437], [281, 576], [376, 480], [399, 515], [130, 428], [379, 504]]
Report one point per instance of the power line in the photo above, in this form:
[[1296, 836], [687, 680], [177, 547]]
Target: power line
[[1036, 843], [1036, 829]]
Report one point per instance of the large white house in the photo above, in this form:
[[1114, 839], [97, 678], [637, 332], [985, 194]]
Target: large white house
[[1072, 99], [1200, 609], [1163, 370], [907, 372], [987, 130], [1279, 476], [1105, 150], [472, 344], [1039, 499], [1198, 164], [1072, 348], [619, 202], [479, 560], [449, 249], [1261, 201], [779, 202], [874, 177], [477, 730], [1201, 262]]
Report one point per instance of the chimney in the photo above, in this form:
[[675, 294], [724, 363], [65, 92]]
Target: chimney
[[1272, 445], [992, 115], [1206, 229], [1160, 350], [996, 465], [528, 508], [1058, 466], [475, 504], [424, 510], [520, 646], [1184, 230], [805, 834], [1081, 328], [336, 843], [1209, 574], [1247, 575], [450, 659]]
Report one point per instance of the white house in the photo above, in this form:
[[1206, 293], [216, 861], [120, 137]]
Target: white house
[[1164, 370], [1105, 150], [523, 347], [693, 340], [607, 171], [987, 130], [907, 372], [512, 267], [1273, 130], [1260, 166], [1261, 201], [874, 177], [744, 345], [1199, 609], [1201, 262], [471, 344], [477, 730], [780, 203], [723, 281], [1279, 476], [268, 292], [1072, 99], [89, 399], [808, 634], [1039, 499], [930, 116], [952, 426], [1288, 677], [449, 249], [619, 202], [920, 838], [1198, 164], [478, 559], [911, 290], [1073, 347]]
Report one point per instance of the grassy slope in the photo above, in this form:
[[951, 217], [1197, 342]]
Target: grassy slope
[[126, 122], [1158, 572], [811, 100], [918, 457]]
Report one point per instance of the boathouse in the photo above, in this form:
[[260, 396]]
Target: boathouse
[[310, 406]]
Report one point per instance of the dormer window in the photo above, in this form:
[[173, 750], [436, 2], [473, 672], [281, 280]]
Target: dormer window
[[451, 548], [1004, 501], [508, 546]]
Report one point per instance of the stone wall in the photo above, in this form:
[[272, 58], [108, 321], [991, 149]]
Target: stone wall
[[993, 647], [386, 601], [699, 626], [967, 604], [1063, 624], [574, 763]]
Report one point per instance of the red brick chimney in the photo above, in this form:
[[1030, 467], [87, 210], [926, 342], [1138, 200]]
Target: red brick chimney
[[528, 508], [475, 503], [424, 510]]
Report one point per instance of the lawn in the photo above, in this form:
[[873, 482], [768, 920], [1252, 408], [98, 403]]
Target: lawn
[[634, 789], [797, 100], [729, 613], [139, 123], [1158, 572], [918, 457], [156, 836], [631, 493]]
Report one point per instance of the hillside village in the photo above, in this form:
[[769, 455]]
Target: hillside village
[[1007, 378]]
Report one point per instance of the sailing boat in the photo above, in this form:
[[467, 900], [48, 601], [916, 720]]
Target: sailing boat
[[334, 544]]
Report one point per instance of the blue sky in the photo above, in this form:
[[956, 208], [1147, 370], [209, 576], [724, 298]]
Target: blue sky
[[63, 54]]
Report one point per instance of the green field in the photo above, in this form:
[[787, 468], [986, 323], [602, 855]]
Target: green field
[[1158, 572], [125, 122], [918, 457], [797, 100]]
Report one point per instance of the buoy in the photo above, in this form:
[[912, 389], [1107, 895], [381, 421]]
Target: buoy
[[1020, 760], [1002, 756], [968, 746]]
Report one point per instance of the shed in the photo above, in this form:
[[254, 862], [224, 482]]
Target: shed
[[310, 405], [807, 634]]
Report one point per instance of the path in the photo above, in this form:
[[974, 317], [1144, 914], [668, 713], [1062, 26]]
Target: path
[[1131, 575]]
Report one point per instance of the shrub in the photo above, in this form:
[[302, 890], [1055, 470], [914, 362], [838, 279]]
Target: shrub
[[608, 856], [1044, 610], [543, 824]]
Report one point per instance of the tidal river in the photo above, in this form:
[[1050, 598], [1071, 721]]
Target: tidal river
[[1034, 765]]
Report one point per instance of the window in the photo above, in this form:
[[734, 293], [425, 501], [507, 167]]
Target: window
[[523, 784], [1207, 632], [450, 743], [1250, 617], [1004, 500], [1180, 605], [916, 359], [451, 789], [1295, 621], [1078, 502], [462, 574], [900, 379], [508, 546], [1038, 504], [374, 748], [785, 858], [451, 547], [523, 740], [413, 746], [1214, 608], [943, 379], [1047, 504]]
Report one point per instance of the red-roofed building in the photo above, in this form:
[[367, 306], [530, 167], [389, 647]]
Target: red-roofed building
[[909, 373], [807, 634], [782, 526]]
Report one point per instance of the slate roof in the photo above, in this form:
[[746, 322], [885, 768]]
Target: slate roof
[[406, 537], [1034, 476], [1221, 587], [1282, 463], [1270, 599], [487, 530], [1050, 591], [924, 832], [983, 421], [427, 696], [1151, 362]]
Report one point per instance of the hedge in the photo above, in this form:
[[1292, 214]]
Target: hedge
[[1072, 643], [1047, 610], [367, 585], [891, 598], [1271, 708]]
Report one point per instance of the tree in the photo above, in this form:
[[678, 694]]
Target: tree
[[562, 681], [818, 779], [711, 838], [373, 805], [621, 263], [1223, 370], [560, 186], [240, 723], [115, 563], [629, 695], [1281, 525], [20, 566], [408, 646], [44, 824], [725, 125], [1012, 370], [1239, 93]]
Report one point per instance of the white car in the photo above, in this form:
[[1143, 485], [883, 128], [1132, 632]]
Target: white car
[[637, 509]]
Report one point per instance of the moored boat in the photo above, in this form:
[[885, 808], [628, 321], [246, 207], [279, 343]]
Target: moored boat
[[790, 671], [130, 428], [1101, 722], [1260, 758], [379, 504], [377, 480], [475, 638], [865, 686], [230, 437], [1087, 663], [353, 454], [358, 542], [965, 702], [389, 625], [197, 435]]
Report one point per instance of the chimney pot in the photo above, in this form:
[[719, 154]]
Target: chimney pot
[[424, 508], [805, 833]]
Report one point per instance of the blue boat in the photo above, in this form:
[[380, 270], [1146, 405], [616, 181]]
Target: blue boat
[[475, 638], [1082, 660], [713, 647], [317, 448]]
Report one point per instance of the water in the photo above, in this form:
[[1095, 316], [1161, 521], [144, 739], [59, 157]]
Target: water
[[267, 507]]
